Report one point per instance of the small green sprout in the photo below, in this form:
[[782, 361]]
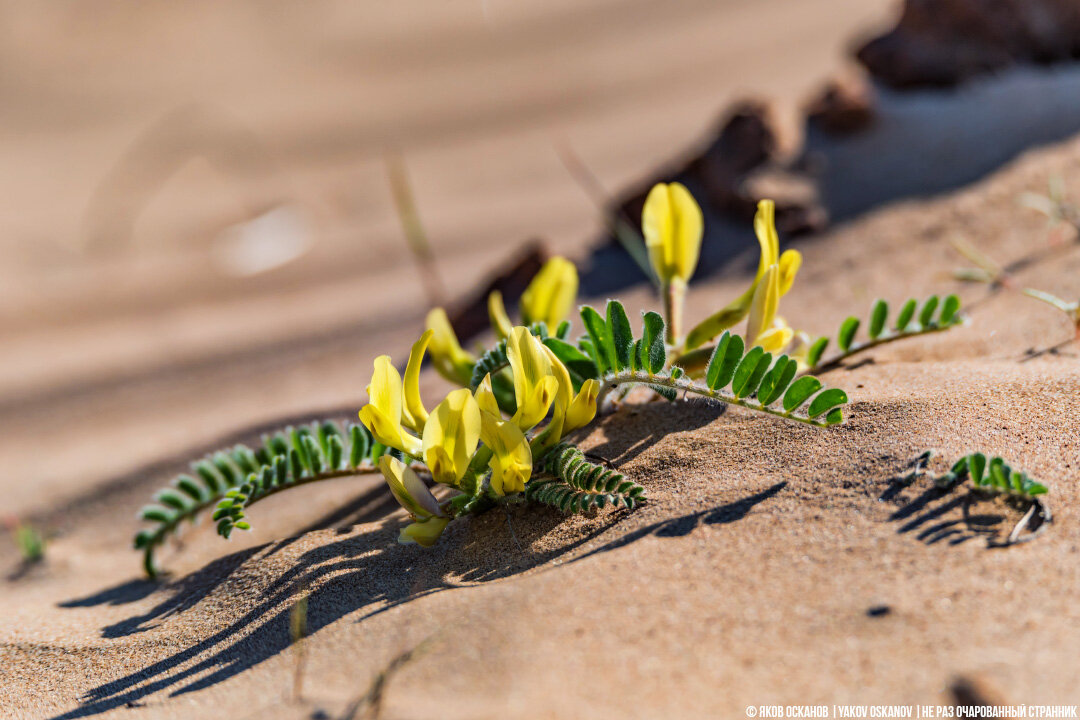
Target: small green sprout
[[30, 541]]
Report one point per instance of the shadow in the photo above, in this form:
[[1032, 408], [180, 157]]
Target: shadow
[[684, 525], [661, 419], [939, 515], [363, 575], [122, 594], [181, 595]]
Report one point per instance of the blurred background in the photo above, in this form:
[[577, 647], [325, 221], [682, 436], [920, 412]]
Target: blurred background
[[198, 231]]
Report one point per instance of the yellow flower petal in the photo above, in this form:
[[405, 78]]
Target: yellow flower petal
[[415, 415], [500, 321], [790, 262], [763, 308], [765, 229], [775, 339], [449, 359], [408, 488], [451, 436], [383, 413], [583, 408], [424, 533], [672, 224], [511, 461], [534, 386], [485, 397], [551, 294]]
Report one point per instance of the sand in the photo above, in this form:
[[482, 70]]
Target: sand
[[772, 563]]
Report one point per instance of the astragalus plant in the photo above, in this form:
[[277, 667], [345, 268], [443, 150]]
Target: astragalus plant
[[503, 436]]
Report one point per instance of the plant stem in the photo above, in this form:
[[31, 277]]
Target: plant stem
[[674, 292], [834, 360], [610, 382]]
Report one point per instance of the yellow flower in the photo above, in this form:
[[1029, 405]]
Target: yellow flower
[[764, 327], [551, 294], [383, 413], [776, 273], [570, 411], [423, 532], [414, 496], [413, 413], [583, 407], [500, 321], [511, 459], [451, 435], [409, 489], [673, 225], [788, 264], [485, 397], [449, 359], [534, 385]]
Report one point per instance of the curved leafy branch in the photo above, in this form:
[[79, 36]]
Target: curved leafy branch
[[573, 484], [747, 378], [233, 479], [908, 323]]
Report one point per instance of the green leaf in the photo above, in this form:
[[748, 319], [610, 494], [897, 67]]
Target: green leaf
[[1036, 488], [776, 380], [847, 333], [906, 313], [725, 371], [172, 499], [826, 400], [712, 370], [799, 391], [652, 342], [156, 513], [949, 308], [359, 445], [813, 355], [187, 485], [601, 338], [748, 374], [926, 315], [976, 465], [580, 366], [878, 316], [835, 417], [621, 335]]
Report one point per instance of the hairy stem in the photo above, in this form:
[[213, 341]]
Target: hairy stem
[[834, 360], [165, 530], [611, 382], [674, 300]]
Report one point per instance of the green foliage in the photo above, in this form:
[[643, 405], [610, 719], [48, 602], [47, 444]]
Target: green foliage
[[908, 323], [31, 543], [573, 484], [992, 476], [749, 378], [235, 478]]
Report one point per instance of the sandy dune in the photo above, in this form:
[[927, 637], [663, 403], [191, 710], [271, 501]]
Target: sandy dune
[[772, 563]]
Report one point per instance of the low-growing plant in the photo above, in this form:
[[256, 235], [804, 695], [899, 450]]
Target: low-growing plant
[[502, 437], [994, 478]]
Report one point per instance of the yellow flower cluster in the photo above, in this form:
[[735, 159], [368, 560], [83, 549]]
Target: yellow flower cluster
[[465, 442]]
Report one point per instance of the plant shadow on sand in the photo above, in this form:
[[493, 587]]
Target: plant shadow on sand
[[366, 573], [938, 515]]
